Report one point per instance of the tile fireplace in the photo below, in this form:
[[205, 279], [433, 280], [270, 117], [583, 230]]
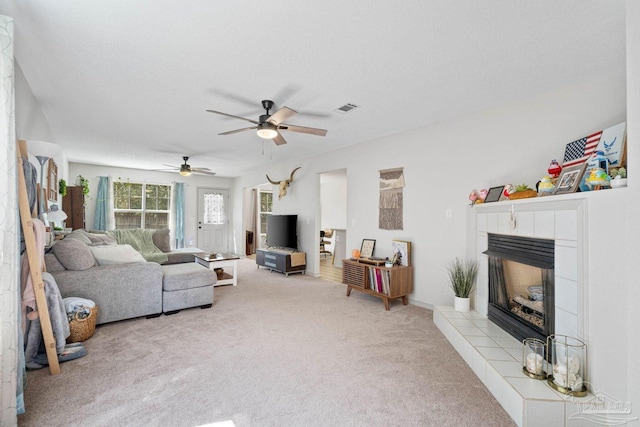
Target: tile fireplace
[[489, 338]]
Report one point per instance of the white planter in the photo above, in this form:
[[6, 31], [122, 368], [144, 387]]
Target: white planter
[[619, 182], [462, 304]]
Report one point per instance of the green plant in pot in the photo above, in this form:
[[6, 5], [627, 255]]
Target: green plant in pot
[[619, 177], [62, 187], [462, 279]]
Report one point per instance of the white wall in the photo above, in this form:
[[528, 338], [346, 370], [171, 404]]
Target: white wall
[[630, 242], [442, 163], [192, 183]]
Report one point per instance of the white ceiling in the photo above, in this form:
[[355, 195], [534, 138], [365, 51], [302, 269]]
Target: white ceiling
[[126, 83]]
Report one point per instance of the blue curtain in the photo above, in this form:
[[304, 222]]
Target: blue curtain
[[102, 201], [178, 197]]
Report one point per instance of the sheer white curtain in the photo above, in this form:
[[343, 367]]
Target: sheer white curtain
[[9, 223]]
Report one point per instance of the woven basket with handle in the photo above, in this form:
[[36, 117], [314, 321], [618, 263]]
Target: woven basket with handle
[[83, 329]]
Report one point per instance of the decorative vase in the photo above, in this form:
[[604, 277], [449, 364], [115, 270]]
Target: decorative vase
[[461, 304], [618, 182]]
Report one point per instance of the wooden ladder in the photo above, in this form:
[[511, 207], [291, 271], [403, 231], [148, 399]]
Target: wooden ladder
[[33, 256]]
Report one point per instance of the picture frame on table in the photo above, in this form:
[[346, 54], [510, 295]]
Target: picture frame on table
[[494, 194], [402, 250], [569, 179], [366, 250]]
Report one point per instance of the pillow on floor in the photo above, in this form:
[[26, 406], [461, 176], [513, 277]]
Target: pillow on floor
[[73, 254], [116, 254]]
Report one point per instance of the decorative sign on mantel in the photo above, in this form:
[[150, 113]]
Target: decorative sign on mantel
[[391, 191]]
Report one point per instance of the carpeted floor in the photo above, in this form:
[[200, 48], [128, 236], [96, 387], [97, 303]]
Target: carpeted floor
[[273, 351]]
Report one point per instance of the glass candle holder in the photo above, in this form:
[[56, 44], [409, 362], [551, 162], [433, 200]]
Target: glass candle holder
[[568, 359], [533, 363]]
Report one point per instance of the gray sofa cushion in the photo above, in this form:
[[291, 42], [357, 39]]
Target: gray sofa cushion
[[161, 240], [102, 239], [73, 254], [186, 276], [80, 235]]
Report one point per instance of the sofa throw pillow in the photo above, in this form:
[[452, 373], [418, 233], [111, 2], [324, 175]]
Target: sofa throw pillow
[[161, 240], [73, 254], [116, 254], [79, 234], [101, 239]]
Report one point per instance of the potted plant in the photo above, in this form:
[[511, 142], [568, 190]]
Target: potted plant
[[522, 191], [62, 187], [462, 279], [84, 183], [618, 177]]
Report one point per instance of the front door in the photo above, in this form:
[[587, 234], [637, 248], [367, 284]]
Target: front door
[[213, 223]]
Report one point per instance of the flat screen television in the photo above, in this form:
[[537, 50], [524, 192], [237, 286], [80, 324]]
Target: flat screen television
[[281, 231]]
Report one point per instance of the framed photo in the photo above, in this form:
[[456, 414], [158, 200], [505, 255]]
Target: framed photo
[[494, 194], [366, 250], [569, 179], [401, 251]]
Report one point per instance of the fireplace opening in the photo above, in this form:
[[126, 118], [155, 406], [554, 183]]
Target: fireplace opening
[[521, 285]]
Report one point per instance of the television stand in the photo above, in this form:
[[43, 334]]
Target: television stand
[[285, 261]]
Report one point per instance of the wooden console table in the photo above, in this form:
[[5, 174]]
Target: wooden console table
[[283, 261], [386, 283]]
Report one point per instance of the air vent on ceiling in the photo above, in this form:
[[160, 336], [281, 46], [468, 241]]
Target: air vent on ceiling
[[346, 108]]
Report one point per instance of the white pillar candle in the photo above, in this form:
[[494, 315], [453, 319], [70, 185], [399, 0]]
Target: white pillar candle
[[534, 363]]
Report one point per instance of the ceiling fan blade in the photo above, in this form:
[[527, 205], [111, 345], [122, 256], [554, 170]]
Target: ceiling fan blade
[[281, 115], [171, 166], [303, 129], [202, 172], [231, 115], [231, 132], [279, 140]]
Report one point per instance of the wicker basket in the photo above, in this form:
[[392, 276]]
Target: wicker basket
[[83, 329]]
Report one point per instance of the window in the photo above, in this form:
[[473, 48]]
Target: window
[[213, 209], [266, 205], [139, 205]]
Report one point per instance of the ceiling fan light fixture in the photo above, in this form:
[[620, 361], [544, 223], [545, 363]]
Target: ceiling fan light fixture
[[185, 172], [267, 131]]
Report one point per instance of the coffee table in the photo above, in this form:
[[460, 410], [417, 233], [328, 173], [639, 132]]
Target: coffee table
[[213, 261]]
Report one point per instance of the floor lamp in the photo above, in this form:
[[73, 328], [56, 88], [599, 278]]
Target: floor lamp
[[42, 193]]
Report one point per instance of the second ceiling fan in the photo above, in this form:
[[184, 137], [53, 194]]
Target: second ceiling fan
[[269, 126]]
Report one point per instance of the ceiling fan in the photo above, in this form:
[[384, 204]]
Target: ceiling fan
[[269, 126], [185, 169]]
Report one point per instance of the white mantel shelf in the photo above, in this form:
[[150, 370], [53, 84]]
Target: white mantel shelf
[[542, 200]]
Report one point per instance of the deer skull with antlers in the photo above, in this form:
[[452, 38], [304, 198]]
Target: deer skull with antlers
[[284, 184]]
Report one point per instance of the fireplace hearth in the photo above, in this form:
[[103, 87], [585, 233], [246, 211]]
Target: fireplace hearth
[[521, 285]]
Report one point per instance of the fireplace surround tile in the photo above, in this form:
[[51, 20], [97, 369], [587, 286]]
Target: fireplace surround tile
[[565, 294], [566, 262], [493, 353], [544, 224], [507, 368], [565, 225], [483, 341], [508, 342]]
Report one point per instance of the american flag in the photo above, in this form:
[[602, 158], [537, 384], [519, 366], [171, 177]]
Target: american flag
[[579, 151]]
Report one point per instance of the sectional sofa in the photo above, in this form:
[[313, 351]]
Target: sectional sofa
[[122, 282]]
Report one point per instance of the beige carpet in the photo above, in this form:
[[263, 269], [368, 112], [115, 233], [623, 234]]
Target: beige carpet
[[273, 351]]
